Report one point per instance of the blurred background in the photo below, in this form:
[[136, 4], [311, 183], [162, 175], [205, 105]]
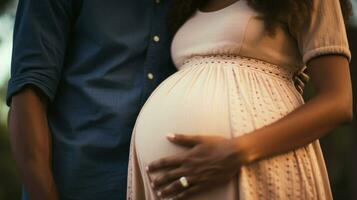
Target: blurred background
[[340, 147]]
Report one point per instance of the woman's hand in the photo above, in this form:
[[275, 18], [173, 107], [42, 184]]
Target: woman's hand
[[209, 161], [301, 79]]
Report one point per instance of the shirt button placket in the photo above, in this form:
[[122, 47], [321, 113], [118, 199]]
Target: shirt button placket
[[156, 39]]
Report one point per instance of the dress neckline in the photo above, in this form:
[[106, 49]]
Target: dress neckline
[[219, 10]]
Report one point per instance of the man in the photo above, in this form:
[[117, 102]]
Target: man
[[81, 71]]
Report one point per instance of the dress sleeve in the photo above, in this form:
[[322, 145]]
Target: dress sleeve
[[40, 39], [324, 33]]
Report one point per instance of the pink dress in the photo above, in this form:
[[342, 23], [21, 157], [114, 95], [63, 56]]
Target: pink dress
[[234, 78]]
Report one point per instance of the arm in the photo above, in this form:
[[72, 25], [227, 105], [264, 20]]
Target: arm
[[331, 107], [41, 34], [31, 143]]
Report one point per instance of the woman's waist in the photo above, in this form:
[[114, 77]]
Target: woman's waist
[[245, 63]]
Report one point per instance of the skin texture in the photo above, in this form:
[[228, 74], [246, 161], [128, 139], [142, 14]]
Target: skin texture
[[210, 161], [31, 143]]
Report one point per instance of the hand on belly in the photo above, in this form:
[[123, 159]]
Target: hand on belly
[[209, 161]]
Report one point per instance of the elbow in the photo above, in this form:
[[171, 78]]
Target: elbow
[[348, 116], [346, 111], [349, 110], [340, 108]]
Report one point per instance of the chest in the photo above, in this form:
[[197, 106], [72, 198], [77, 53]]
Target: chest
[[227, 25]]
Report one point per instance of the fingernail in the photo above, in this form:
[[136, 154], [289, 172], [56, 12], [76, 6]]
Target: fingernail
[[171, 136], [147, 168], [152, 184], [159, 193]]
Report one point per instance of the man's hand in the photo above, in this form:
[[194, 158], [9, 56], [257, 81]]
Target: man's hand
[[208, 162], [301, 79]]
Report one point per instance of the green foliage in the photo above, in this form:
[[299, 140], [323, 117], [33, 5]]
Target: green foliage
[[3, 5], [9, 182]]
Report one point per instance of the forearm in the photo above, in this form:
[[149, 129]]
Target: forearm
[[31, 144], [300, 127]]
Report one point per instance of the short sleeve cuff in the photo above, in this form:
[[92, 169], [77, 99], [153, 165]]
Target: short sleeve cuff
[[326, 51], [47, 86]]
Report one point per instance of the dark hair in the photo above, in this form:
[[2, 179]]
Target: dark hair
[[294, 12]]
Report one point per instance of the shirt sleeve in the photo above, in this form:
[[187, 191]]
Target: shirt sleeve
[[324, 33], [40, 39]]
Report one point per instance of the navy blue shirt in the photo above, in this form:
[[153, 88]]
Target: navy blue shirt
[[97, 61]]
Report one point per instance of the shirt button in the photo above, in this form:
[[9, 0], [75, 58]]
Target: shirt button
[[156, 38], [150, 76], [157, 1]]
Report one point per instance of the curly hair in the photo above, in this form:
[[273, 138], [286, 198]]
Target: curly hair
[[273, 11]]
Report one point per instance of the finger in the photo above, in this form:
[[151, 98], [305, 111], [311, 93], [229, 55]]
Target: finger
[[185, 140], [150, 180], [188, 192], [303, 69], [168, 162], [174, 189], [166, 178], [304, 77], [300, 83], [300, 90]]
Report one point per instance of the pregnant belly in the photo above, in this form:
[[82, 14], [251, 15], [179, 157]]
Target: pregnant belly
[[191, 101], [213, 96]]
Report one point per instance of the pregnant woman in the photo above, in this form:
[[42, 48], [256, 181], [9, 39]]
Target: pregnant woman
[[230, 124]]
